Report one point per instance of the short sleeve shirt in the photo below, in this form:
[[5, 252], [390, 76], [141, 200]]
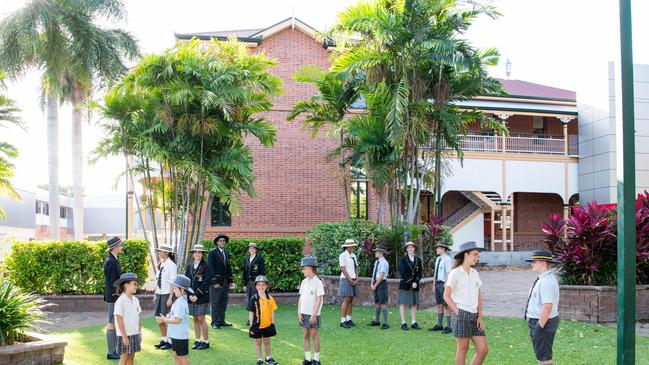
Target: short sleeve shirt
[[445, 262], [310, 290], [129, 310], [465, 288], [381, 266], [266, 307], [546, 290], [348, 261], [180, 309], [168, 273]]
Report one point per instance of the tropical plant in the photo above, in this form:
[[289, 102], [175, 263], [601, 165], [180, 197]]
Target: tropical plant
[[18, 312], [184, 117], [8, 113], [63, 41]]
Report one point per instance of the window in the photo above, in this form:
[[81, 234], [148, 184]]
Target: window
[[358, 200], [538, 125], [220, 214], [42, 208], [64, 213]]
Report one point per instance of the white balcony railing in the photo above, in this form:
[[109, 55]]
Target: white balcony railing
[[535, 145]]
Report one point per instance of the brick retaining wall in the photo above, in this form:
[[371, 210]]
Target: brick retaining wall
[[365, 296], [41, 351], [598, 303]]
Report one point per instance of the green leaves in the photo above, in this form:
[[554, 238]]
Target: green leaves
[[18, 311]]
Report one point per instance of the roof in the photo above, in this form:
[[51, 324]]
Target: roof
[[531, 90]]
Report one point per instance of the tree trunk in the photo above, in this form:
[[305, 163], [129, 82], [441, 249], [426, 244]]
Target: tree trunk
[[77, 165], [438, 174], [53, 165], [344, 172]]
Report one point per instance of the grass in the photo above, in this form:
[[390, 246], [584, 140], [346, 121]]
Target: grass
[[576, 343]]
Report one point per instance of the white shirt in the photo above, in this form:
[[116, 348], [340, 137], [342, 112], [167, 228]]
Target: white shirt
[[545, 291], [380, 266], [465, 288], [310, 290], [169, 272], [252, 257], [129, 310], [347, 260], [444, 262]]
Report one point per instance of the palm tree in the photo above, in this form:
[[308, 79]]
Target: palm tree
[[8, 113], [61, 40], [328, 108]]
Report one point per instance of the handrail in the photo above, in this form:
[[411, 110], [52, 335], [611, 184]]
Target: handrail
[[535, 145]]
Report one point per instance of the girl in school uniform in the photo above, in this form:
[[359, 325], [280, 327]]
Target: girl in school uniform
[[167, 271], [261, 316], [199, 302], [410, 270], [463, 297], [309, 306], [127, 318], [178, 319]]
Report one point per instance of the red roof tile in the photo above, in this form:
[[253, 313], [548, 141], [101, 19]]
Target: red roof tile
[[530, 89]]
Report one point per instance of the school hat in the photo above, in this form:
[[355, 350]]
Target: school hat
[[542, 255], [309, 261], [409, 243], [380, 248], [114, 242], [183, 282], [221, 235], [261, 278], [198, 247], [349, 243], [127, 276], [466, 247], [165, 248], [442, 245], [252, 244]]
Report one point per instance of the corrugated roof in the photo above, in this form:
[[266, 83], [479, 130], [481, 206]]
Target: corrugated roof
[[227, 33], [530, 89]]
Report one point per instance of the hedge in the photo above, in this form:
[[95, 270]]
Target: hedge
[[282, 257], [68, 267]]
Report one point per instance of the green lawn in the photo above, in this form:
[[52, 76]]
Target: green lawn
[[576, 343]]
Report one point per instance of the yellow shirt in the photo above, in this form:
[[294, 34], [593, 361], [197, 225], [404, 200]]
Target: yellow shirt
[[267, 306]]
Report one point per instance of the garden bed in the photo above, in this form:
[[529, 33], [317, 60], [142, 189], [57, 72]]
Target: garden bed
[[598, 304], [41, 350]]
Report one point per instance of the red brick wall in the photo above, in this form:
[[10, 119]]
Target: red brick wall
[[530, 211]]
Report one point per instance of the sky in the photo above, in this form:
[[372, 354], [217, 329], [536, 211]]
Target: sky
[[559, 43]]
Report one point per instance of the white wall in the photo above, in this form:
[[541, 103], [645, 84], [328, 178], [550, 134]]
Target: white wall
[[472, 231]]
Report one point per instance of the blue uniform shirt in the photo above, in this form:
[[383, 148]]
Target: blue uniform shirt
[[180, 309], [546, 290]]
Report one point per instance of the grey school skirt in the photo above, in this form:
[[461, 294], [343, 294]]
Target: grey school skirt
[[408, 297], [199, 309], [345, 289]]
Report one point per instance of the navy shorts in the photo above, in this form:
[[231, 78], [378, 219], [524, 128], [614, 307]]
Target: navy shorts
[[180, 347], [256, 332], [439, 293], [543, 338]]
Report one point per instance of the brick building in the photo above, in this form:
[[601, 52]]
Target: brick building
[[499, 197]]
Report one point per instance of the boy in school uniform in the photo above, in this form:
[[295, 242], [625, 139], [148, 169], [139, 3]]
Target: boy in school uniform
[[178, 319], [261, 316], [443, 265], [379, 285], [112, 272], [462, 294], [127, 318], [348, 281], [542, 311], [309, 306]]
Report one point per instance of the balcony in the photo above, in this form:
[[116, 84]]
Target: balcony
[[521, 143]]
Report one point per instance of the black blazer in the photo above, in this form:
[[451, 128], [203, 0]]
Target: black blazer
[[200, 281], [253, 269], [112, 272], [220, 268], [410, 272]]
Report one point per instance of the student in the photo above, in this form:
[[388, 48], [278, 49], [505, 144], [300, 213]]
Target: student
[[379, 285], [348, 281], [542, 311], [199, 302], [309, 306], [178, 319], [261, 314], [253, 266], [112, 272], [443, 265], [410, 270], [167, 271], [220, 270], [462, 294], [127, 318]]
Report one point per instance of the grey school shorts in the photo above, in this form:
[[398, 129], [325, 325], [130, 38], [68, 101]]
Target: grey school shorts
[[111, 312], [543, 338]]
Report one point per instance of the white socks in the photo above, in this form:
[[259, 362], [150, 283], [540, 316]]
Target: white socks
[[307, 355], [316, 356], [349, 318], [413, 322], [343, 319]]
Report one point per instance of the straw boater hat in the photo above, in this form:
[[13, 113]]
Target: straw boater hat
[[128, 276], [165, 248], [380, 248], [466, 247], [409, 243], [252, 244], [222, 235], [442, 245], [198, 247], [261, 278], [113, 242], [349, 243], [542, 255], [183, 282], [309, 261]]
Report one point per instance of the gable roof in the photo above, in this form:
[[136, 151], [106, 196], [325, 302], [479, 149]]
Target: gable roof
[[254, 35], [525, 89]]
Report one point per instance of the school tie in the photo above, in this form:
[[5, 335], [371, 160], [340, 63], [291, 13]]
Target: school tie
[[355, 264], [529, 297], [160, 277], [374, 271], [439, 259], [225, 260]]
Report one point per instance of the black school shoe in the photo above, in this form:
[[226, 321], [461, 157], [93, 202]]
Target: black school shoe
[[415, 326], [436, 328], [315, 362], [197, 345], [260, 362], [385, 326], [374, 323], [345, 325], [216, 326], [225, 324], [271, 361], [404, 326], [165, 346], [159, 344], [204, 346], [447, 330], [307, 362], [351, 324], [112, 357]]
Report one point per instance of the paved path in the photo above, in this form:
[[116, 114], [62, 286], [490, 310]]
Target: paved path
[[505, 295]]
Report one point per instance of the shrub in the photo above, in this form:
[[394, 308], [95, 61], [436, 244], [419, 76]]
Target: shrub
[[282, 257], [68, 267], [18, 311], [588, 249]]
